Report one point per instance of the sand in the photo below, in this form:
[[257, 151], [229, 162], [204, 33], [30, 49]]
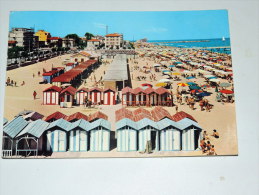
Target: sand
[[221, 117]]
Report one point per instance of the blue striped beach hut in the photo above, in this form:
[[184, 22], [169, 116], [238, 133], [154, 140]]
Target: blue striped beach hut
[[11, 130], [148, 131], [78, 136], [57, 136], [170, 135], [126, 130], [191, 134], [100, 135], [30, 140]]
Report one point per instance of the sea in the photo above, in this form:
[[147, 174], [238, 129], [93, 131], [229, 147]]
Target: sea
[[214, 45]]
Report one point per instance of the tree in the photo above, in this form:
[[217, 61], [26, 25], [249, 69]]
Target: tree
[[75, 37], [14, 52], [88, 35]]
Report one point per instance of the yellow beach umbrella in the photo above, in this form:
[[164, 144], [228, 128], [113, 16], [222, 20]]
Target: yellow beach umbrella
[[176, 73], [182, 84], [161, 84]]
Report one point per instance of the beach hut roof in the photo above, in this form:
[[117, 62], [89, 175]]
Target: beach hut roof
[[137, 90], [97, 115], [161, 90], [186, 122], [53, 88], [82, 89], [142, 116], [141, 111], [56, 115], [5, 121], [35, 128], [149, 90], [181, 115], [61, 123], [146, 122], [126, 122], [33, 116], [81, 123], [109, 89], [159, 113], [100, 122], [166, 122], [77, 115], [123, 113], [15, 126], [126, 90], [96, 89], [70, 90]]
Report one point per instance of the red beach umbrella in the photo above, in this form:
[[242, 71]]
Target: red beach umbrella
[[146, 85], [225, 91]]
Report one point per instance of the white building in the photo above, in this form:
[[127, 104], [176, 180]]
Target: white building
[[114, 41]]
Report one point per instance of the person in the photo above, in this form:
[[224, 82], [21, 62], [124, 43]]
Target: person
[[86, 101], [23, 83], [38, 73], [33, 75], [201, 104], [212, 151], [34, 95], [215, 134], [15, 84], [203, 145], [208, 145], [176, 108], [205, 135]]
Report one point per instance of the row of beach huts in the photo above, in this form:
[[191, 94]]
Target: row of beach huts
[[80, 133], [131, 97]]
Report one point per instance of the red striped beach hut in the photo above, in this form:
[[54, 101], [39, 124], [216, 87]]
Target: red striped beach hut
[[76, 116], [96, 95], [81, 94], [127, 96], [151, 96], [51, 95], [67, 96], [55, 116], [140, 96], [164, 97], [109, 96]]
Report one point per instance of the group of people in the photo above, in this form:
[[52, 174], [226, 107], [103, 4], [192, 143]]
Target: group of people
[[206, 145], [10, 82]]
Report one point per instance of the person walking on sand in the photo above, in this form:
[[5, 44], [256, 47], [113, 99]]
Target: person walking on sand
[[33, 75], [34, 95]]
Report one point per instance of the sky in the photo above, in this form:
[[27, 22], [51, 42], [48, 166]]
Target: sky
[[169, 25]]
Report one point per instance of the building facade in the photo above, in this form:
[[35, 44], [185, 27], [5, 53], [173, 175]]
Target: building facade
[[114, 41], [24, 37]]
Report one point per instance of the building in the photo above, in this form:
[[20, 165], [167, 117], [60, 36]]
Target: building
[[24, 37], [114, 41], [51, 95], [12, 44], [68, 43], [54, 42], [43, 37], [93, 43]]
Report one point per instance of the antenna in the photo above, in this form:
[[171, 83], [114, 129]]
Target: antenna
[[107, 29]]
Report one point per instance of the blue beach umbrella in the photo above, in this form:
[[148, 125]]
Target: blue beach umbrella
[[191, 83], [190, 77], [194, 87], [166, 71], [204, 94], [212, 77], [171, 66]]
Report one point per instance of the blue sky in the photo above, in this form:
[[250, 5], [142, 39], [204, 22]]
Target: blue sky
[[173, 25]]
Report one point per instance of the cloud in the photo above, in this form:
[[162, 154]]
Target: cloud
[[156, 30], [99, 25]]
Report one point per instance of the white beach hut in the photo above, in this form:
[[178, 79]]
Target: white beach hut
[[80, 96], [96, 95], [148, 131], [127, 96], [57, 136], [109, 96], [170, 135], [51, 95], [78, 136], [126, 130], [100, 135]]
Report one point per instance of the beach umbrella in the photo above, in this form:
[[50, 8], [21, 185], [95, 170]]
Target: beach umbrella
[[161, 84], [225, 91], [194, 87], [171, 66], [204, 94], [176, 73], [182, 84], [178, 62], [205, 86], [156, 65], [215, 80], [164, 81], [191, 83], [196, 91], [212, 77], [146, 85], [190, 77], [166, 71], [224, 84]]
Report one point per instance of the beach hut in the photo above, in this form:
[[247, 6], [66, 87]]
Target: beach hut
[[75, 117], [55, 116], [109, 96], [51, 95], [151, 96], [81, 94], [140, 96], [126, 130], [148, 131], [78, 136], [5, 121], [10, 131], [164, 96], [56, 134], [30, 140], [67, 97], [100, 135], [96, 95], [127, 96], [170, 135], [33, 116], [97, 115]]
